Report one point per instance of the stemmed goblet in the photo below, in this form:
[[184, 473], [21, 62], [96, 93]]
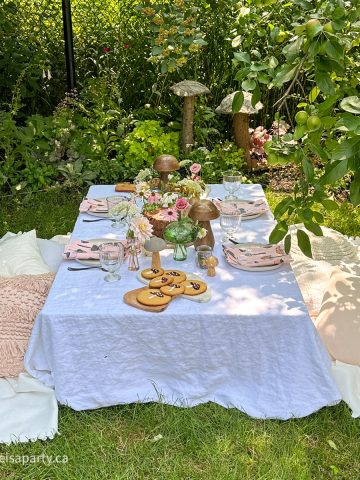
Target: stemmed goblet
[[231, 182], [230, 223], [111, 256]]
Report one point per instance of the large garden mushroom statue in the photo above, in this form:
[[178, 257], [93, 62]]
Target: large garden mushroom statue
[[203, 211], [240, 121], [188, 89], [165, 164]]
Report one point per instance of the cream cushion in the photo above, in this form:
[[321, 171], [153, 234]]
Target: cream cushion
[[20, 255], [339, 319]]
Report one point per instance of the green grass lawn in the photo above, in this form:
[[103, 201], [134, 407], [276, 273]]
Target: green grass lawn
[[206, 442]]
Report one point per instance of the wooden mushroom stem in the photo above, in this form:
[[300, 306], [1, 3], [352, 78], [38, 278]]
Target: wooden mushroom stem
[[155, 260], [209, 237], [187, 138], [164, 177], [241, 134]]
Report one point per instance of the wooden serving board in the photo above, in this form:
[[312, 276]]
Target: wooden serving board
[[130, 299], [125, 187]]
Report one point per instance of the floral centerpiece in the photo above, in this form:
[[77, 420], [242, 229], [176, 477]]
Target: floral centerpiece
[[160, 206], [139, 229], [166, 209]]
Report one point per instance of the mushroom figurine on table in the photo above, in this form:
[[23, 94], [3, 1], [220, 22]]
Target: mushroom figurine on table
[[240, 121], [155, 245], [165, 164], [203, 211], [188, 89]]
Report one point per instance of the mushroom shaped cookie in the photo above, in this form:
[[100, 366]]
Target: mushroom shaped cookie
[[240, 121], [188, 89]]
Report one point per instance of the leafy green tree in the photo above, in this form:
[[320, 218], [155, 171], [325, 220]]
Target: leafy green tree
[[320, 58]]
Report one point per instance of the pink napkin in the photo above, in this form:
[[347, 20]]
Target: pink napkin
[[84, 250], [91, 205], [256, 256], [247, 208]]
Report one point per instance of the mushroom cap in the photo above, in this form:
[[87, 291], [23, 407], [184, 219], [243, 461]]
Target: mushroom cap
[[225, 106], [203, 210], [154, 244], [189, 88], [166, 163]]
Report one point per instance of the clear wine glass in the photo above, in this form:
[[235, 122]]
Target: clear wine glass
[[111, 257], [231, 182], [119, 215], [230, 223]]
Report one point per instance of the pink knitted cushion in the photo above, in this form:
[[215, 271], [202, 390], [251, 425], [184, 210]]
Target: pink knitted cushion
[[21, 299]]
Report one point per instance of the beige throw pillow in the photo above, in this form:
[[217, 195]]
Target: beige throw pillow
[[339, 319], [22, 297]]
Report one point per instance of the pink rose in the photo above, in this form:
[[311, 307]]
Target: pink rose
[[196, 178], [195, 168], [181, 204], [153, 198], [106, 49]]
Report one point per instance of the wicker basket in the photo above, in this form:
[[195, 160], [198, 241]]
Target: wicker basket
[[158, 223]]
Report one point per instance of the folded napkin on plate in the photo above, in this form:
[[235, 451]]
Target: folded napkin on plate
[[247, 207], [91, 205], [256, 256], [84, 250]]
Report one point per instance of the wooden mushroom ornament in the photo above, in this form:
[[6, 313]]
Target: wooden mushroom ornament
[[165, 164], [188, 89], [211, 263], [240, 121], [155, 245], [203, 211]]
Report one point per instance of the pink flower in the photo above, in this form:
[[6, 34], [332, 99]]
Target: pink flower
[[106, 49], [181, 204], [142, 228], [169, 214], [195, 168], [153, 198], [196, 178], [126, 46]]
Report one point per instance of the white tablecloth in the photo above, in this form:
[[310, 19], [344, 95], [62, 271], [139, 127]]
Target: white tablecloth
[[252, 347]]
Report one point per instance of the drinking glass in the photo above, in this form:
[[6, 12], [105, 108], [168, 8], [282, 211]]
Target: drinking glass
[[118, 216], [230, 223], [231, 182], [111, 257]]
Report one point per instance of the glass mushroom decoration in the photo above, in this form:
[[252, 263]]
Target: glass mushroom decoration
[[165, 164], [240, 121], [203, 211], [155, 245]]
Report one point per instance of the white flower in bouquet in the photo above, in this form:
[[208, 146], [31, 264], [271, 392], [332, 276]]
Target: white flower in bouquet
[[141, 228], [144, 175], [201, 233], [120, 208], [125, 209], [168, 199], [190, 187], [143, 189]]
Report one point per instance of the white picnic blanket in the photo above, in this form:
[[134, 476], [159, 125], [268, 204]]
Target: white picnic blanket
[[28, 410]]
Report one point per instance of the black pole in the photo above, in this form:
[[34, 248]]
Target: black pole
[[69, 46]]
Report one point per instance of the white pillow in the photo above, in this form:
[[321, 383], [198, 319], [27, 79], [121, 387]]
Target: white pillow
[[20, 255], [51, 252]]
